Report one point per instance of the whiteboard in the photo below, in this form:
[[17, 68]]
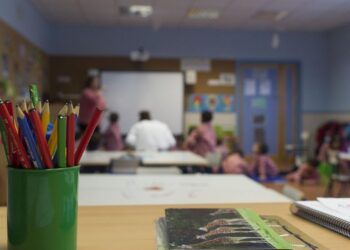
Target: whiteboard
[[127, 93]]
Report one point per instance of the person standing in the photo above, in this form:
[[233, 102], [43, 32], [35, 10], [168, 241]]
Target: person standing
[[202, 140], [91, 98], [150, 135]]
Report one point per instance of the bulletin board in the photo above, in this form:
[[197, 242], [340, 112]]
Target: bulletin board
[[21, 63], [220, 103]]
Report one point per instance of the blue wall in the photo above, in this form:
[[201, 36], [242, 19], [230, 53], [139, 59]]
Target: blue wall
[[339, 55], [25, 18], [310, 49]]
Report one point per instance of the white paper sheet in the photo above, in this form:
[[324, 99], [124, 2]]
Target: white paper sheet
[[250, 87]]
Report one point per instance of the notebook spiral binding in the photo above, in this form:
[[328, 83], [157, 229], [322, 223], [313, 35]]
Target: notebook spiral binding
[[328, 221]]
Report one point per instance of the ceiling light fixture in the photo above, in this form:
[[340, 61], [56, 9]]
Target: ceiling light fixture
[[142, 11], [270, 15], [281, 15], [197, 13]]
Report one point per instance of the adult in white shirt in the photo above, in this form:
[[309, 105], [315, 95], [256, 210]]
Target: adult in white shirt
[[150, 135]]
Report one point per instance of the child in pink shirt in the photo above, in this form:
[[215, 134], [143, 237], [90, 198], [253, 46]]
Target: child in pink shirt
[[306, 173], [202, 140], [262, 165], [112, 139], [234, 163]]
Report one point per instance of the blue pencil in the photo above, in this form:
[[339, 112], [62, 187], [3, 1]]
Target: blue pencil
[[29, 139]]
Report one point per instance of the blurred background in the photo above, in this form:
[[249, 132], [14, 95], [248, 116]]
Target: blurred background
[[271, 72]]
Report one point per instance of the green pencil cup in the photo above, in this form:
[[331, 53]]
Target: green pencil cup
[[42, 209]]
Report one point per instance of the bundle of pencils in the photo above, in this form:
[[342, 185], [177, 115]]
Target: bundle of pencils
[[25, 134]]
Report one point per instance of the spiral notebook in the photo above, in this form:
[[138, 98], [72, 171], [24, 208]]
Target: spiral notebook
[[206, 229], [332, 213]]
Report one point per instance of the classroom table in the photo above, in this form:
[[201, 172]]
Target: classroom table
[[164, 158], [107, 189], [344, 156], [132, 227]]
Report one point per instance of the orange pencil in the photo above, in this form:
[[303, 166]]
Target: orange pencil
[[40, 138]]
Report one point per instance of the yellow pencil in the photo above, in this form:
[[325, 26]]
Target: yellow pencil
[[39, 107], [23, 106], [53, 138], [45, 116], [30, 106]]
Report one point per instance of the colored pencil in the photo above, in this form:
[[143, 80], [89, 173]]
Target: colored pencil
[[28, 139], [61, 143], [87, 135], [13, 135], [4, 140], [45, 116], [24, 107], [41, 141], [30, 106], [9, 107], [70, 135], [34, 95], [39, 107], [13, 157], [53, 138]]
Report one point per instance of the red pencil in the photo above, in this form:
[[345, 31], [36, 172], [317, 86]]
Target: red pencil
[[70, 135], [13, 159], [13, 135], [87, 135], [42, 144], [9, 107]]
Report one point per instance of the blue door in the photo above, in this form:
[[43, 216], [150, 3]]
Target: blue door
[[268, 106], [260, 108]]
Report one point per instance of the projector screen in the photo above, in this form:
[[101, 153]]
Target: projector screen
[[127, 93]]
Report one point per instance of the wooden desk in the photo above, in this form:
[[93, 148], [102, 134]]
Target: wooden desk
[[132, 227], [169, 158]]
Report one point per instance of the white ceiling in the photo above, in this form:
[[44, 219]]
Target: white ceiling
[[309, 15]]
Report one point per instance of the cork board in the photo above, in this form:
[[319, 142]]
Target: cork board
[[21, 63]]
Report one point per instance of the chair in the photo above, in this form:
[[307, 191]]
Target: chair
[[214, 159], [293, 193], [158, 171], [340, 174], [344, 184], [124, 165]]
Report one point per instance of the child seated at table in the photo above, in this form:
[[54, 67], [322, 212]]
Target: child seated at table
[[306, 173], [112, 139], [234, 163], [262, 166]]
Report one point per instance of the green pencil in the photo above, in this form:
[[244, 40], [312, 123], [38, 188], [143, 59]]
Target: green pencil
[[61, 141], [34, 94]]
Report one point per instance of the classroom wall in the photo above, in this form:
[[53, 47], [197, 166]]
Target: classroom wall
[[310, 49], [339, 55], [23, 16], [75, 69]]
